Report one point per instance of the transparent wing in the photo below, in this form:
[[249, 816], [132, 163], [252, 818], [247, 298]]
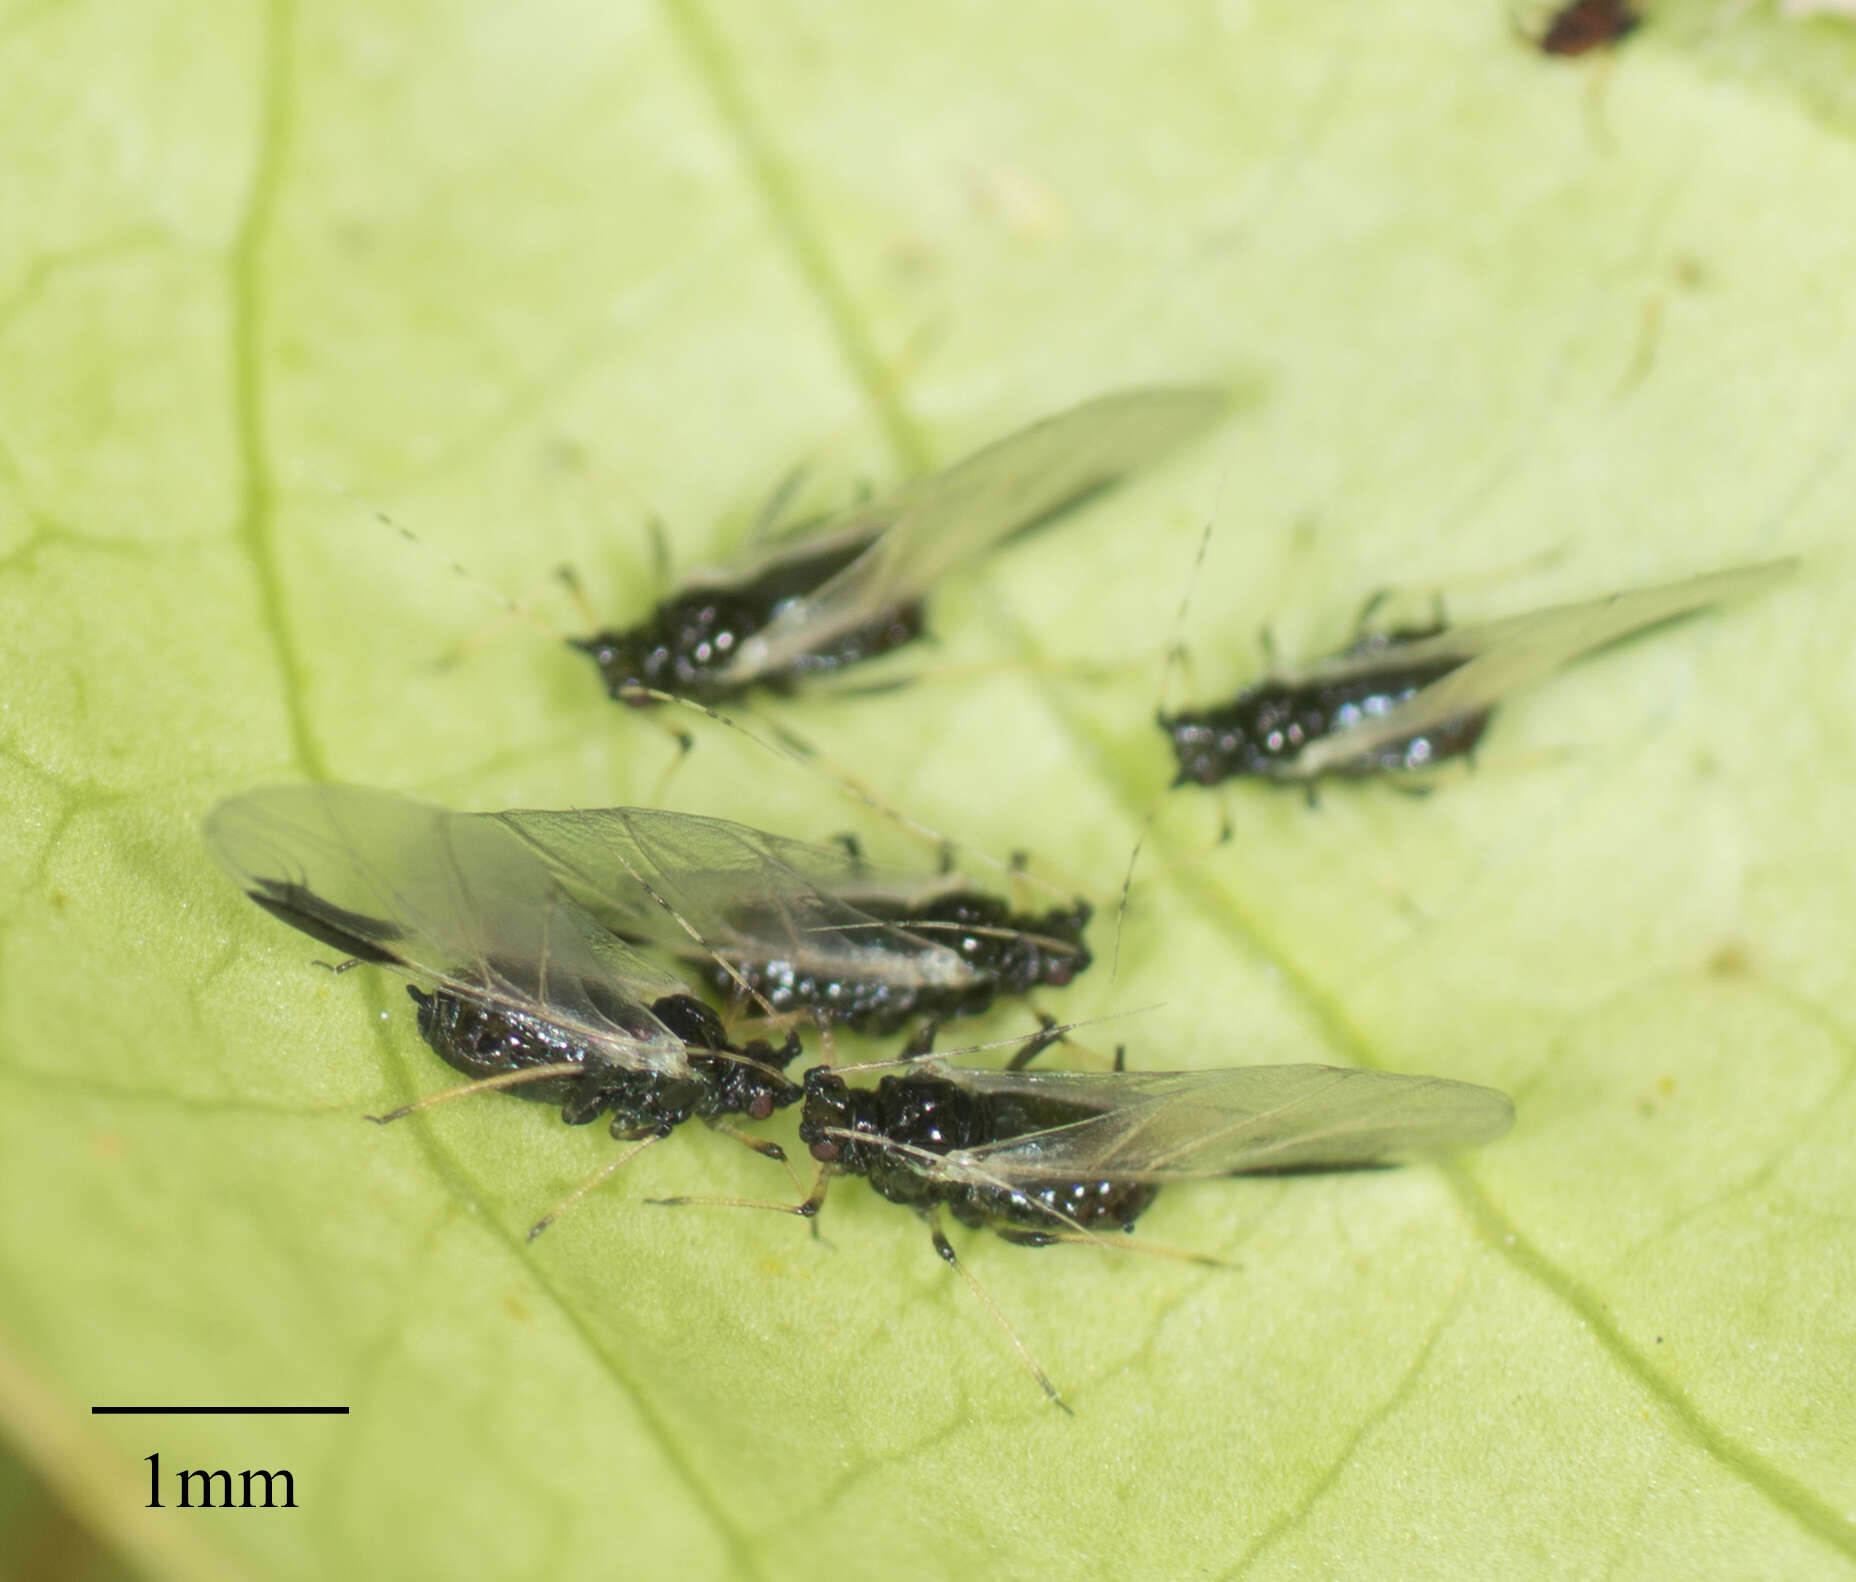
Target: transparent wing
[[1502, 656], [704, 885], [1175, 1125], [452, 898], [940, 523]]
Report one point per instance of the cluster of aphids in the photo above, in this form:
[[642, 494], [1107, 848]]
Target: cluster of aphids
[[564, 955]]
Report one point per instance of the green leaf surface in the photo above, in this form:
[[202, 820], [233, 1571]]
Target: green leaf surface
[[526, 276]]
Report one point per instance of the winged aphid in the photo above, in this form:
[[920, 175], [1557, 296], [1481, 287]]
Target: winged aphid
[[782, 926], [1408, 699], [1043, 1156], [523, 988], [851, 588], [1038, 1157]]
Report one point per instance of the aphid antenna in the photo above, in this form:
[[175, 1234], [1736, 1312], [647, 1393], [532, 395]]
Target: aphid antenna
[[937, 1168], [786, 744], [735, 1057], [807, 1208], [603, 1174], [1175, 656], [425, 546], [945, 1249], [507, 1079], [936, 926]]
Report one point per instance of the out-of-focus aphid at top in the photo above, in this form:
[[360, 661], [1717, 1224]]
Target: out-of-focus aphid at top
[[1410, 698], [851, 588]]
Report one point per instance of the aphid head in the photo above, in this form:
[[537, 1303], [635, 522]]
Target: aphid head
[[1255, 735], [833, 1108], [630, 664]]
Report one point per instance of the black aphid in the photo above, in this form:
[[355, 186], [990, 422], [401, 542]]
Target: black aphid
[[782, 926], [852, 587], [521, 978], [1043, 1156], [1409, 699]]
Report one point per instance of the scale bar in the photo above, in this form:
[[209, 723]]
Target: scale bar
[[219, 1411]]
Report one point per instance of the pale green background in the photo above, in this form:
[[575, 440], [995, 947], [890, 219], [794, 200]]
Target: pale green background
[[523, 274]]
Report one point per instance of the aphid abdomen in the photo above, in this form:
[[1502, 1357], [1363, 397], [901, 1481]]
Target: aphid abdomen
[[484, 1042], [1015, 952], [481, 1042], [1035, 1217], [1264, 730]]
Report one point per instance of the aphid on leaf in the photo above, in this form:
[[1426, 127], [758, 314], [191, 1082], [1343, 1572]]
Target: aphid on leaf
[[851, 588], [1581, 26], [1408, 699], [783, 926], [1044, 1156], [526, 990]]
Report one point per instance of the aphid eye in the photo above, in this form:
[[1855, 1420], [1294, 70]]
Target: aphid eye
[[826, 1150], [761, 1108]]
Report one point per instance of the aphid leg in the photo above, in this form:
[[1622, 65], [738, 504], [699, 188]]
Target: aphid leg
[[766, 1148], [1050, 1033], [921, 1041], [945, 1249], [604, 1173], [773, 509], [1362, 621], [685, 743], [660, 552], [1087, 1238], [338, 967], [576, 590], [508, 1079], [808, 1209]]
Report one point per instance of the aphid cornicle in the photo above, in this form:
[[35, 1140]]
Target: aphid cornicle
[[521, 978], [1408, 699], [783, 926], [852, 587]]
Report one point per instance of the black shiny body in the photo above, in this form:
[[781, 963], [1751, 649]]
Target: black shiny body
[[1262, 730], [484, 1042], [686, 645], [924, 1111], [1013, 953], [1585, 25]]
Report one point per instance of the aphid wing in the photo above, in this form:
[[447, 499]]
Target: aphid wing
[[946, 520], [450, 898], [1503, 656], [843, 534], [1162, 1126], [697, 884]]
